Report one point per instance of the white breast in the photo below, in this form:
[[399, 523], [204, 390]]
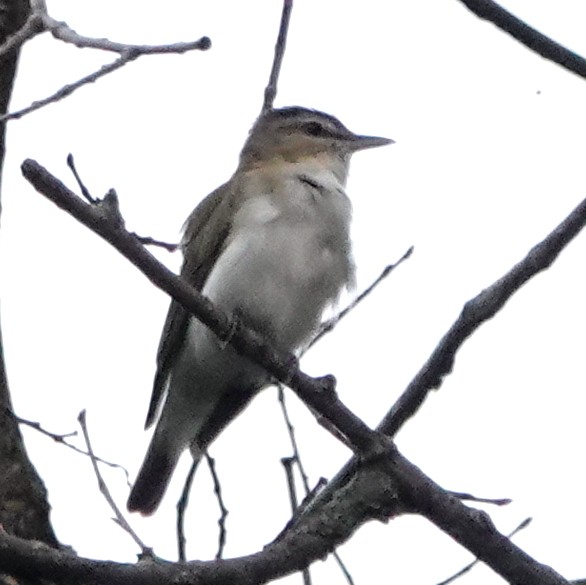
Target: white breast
[[287, 258]]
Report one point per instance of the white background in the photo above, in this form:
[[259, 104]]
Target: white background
[[489, 158]]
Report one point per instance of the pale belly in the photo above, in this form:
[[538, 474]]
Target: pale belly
[[280, 279]]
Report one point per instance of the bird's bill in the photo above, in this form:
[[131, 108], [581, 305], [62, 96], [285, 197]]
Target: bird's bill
[[361, 142]]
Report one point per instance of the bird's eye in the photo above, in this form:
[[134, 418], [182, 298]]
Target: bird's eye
[[314, 129]]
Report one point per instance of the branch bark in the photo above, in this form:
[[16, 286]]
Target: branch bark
[[24, 509], [527, 35]]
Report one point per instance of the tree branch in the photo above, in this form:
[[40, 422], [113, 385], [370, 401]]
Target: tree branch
[[528, 36], [105, 220], [477, 311], [370, 495], [24, 508]]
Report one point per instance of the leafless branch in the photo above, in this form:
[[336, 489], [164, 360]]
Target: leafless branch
[[468, 567], [288, 463], [125, 57], [119, 518], [372, 494], [182, 504], [145, 240], [292, 438], [67, 90], [475, 312], [530, 37], [40, 21], [62, 439], [61, 31], [223, 510], [271, 88]]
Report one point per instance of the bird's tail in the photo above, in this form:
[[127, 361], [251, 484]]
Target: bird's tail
[[154, 476]]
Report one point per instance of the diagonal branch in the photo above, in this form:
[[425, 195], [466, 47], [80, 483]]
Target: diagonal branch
[[105, 220], [475, 312], [525, 34]]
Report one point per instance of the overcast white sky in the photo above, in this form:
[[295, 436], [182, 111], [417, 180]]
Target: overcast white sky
[[488, 159]]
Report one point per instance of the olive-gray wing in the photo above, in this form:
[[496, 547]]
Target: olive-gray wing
[[205, 234]]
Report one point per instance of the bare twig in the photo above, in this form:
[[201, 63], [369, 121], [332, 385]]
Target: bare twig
[[145, 240], [40, 21], [61, 31], [530, 37], [292, 438], [67, 90], [288, 463], [329, 325], [148, 241], [271, 88], [62, 439], [182, 504], [84, 190], [223, 510], [475, 312], [468, 567], [119, 518], [472, 498]]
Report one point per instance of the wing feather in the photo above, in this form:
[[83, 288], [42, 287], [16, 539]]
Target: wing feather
[[205, 233]]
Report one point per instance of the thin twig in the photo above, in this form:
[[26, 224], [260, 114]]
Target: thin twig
[[288, 463], [342, 566], [145, 240], [148, 241], [468, 567], [181, 509], [63, 32], [67, 90], [329, 325], [61, 438], [292, 437], [40, 21], [84, 190], [223, 510], [271, 88], [472, 498], [119, 517]]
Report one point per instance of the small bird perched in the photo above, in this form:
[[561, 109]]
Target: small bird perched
[[272, 246]]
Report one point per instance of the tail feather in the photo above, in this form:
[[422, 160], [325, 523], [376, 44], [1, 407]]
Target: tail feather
[[153, 479]]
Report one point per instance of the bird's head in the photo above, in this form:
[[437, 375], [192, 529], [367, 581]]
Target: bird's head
[[296, 133]]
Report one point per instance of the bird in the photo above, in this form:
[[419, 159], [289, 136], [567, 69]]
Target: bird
[[270, 247]]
